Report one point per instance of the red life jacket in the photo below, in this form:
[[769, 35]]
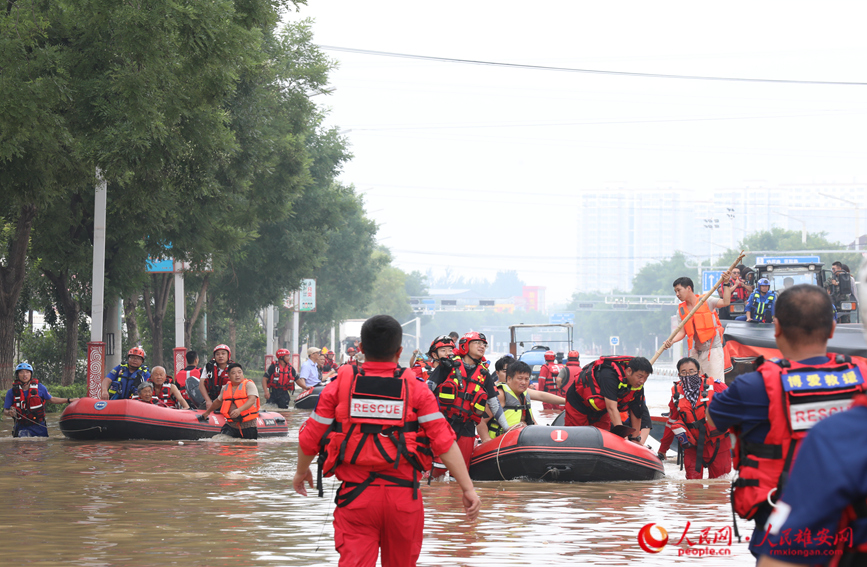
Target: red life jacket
[[164, 394], [461, 397], [375, 426], [28, 403], [549, 384], [154, 401], [692, 421], [215, 379], [281, 378], [800, 396], [181, 378], [421, 370], [586, 387], [857, 511]]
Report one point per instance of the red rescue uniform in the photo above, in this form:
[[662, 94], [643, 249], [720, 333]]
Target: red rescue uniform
[[548, 379], [379, 503], [600, 380]]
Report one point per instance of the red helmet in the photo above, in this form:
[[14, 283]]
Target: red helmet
[[464, 343], [549, 355], [136, 351], [223, 347], [439, 342], [572, 355], [351, 350], [281, 352]]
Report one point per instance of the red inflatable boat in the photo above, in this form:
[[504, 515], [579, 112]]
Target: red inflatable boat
[[563, 454], [92, 419]]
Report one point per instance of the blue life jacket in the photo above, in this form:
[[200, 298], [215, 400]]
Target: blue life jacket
[[763, 306], [124, 383]]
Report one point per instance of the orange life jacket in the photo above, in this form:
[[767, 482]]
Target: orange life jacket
[[692, 421], [858, 511], [375, 426], [239, 397], [461, 397], [704, 324], [28, 403], [281, 378], [800, 396]]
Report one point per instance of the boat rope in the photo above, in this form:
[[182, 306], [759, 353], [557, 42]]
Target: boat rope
[[503, 438]]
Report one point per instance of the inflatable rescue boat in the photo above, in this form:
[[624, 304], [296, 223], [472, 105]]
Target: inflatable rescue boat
[[563, 454], [308, 398], [92, 419]]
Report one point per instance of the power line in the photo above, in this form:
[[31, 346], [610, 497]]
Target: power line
[[587, 71]]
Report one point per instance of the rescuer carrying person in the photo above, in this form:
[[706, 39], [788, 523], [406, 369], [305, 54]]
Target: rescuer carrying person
[[605, 388], [376, 428], [464, 388], [772, 409]]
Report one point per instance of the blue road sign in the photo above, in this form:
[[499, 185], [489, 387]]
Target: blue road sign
[[762, 260], [709, 279], [160, 266], [561, 318], [614, 341]]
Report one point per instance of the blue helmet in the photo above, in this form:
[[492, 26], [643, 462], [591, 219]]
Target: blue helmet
[[764, 281], [23, 366]]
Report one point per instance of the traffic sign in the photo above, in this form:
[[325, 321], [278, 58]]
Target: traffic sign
[[709, 279], [762, 260], [561, 318], [614, 341]]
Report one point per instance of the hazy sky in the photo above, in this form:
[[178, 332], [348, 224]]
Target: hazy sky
[[475, 168]]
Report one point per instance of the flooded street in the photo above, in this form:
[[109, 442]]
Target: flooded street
[[230, 503]]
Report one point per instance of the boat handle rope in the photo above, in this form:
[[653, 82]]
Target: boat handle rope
[[503, 438]]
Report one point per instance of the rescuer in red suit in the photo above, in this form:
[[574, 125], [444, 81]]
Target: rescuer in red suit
[[376, 428]]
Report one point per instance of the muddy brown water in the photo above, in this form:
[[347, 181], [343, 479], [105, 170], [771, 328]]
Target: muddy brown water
[[224, 502]]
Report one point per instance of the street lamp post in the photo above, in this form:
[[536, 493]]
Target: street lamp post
[[857, 217]]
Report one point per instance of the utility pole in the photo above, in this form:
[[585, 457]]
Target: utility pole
[[96, 346]]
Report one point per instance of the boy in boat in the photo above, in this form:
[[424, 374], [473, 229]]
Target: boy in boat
[[515, 400], [377, 427], [25, 403], [239, 404], [165, 391]]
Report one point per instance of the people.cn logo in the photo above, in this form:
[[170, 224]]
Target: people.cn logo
[[649, 542]]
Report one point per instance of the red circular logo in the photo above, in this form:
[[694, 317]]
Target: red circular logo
[[559, 435], [648, 542]]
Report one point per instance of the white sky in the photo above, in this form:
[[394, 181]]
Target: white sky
[[472, 168]]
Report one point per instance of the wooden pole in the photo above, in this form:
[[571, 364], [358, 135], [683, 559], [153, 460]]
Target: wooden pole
[[701, 302]]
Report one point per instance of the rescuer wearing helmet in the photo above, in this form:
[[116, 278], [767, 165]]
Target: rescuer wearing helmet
[[549, 379], [25, 403], [350, 355], [771, 410], [376, 428], [464, 388], [703, 331], [123, 380], [279, 379], [215, 374], [760, 306], [825, 494]]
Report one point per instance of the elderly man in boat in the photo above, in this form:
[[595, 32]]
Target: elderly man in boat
[[165, 391], [515, 399]]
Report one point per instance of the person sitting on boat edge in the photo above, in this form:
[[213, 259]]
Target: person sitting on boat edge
[[278, 382], [165, 391], [239, 404], [606, 387], [376, 428], [702, 446], [123, 380], [310, 374], [25, 403], [145, 394], [516, 400], [215, 375]]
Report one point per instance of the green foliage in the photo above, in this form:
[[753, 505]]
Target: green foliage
[[43, 349], [657, 278], [389, 295]]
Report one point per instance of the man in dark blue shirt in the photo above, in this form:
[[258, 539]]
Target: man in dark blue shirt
[[802, 326]]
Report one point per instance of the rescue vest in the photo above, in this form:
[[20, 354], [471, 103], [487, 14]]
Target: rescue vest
[[763, 308], [28, 403], [281, 378], [421, 370], [164, 393], [704, 325], [800, 396], [239, 397], [154, 401], [852, 513], [549, 384], [586, 388], [215, 379], [375, 426], [181, 379], [461, 397], [126, 385], [517, 409], [692, 420]]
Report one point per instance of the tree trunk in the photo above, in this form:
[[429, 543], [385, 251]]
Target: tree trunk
[[161, 285], [71, 315], [188, 324], [12, 273], [133, 335]]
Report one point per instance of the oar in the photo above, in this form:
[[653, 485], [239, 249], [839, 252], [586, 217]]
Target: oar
[[701, 302]]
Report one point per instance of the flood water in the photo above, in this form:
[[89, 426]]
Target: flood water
[[230, 502]]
